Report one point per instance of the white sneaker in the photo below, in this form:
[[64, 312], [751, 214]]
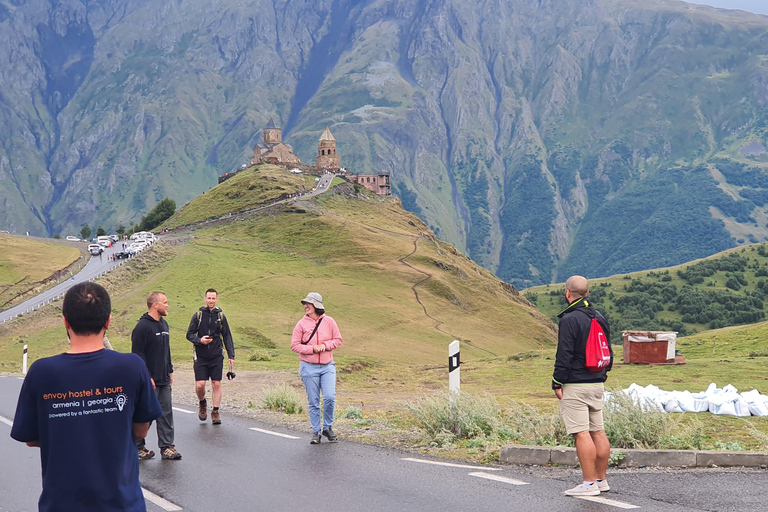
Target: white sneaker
[[603, 485], [583, 490]]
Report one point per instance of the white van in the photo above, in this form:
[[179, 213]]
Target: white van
[[104, 241]]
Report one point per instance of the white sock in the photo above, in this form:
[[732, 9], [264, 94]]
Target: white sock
[[587, 484]]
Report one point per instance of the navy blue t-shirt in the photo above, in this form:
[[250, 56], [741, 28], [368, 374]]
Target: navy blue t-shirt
[[82, 407]]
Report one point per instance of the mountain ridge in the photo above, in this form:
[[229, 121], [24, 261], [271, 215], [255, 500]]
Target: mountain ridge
[[514, 124]]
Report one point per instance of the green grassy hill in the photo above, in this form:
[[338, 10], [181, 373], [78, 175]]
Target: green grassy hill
[[729, 288], [399, 294], [27, 266], [250, 188]]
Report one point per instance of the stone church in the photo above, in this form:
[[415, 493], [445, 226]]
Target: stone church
[[326, 152], [273, 150]]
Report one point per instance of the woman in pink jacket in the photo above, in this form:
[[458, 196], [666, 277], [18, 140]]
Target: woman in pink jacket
[[314, 338]]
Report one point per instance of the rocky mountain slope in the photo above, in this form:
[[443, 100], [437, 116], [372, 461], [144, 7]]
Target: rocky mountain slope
[[542, 138]]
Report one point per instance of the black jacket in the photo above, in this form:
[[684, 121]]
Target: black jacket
[[150, 341], [212, 323], [570, 361]]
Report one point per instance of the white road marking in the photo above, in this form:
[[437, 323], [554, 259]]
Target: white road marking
[[159, 501], [6, 421], [606, 501], [464, 466], [183, 410], [498, 478], [274, 433]]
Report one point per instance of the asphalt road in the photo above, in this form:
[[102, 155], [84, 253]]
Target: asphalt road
[[234, 468], [96, 266]]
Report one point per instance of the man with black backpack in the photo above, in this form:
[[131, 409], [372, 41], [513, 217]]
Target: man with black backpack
[[578, 383], [207, 330]]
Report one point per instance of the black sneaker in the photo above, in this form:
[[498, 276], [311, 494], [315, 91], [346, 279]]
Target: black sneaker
[[330, 435], [170, 453], [316, 438], [145, 454]]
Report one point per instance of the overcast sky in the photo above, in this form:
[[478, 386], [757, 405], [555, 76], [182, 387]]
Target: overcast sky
[[758, 6]]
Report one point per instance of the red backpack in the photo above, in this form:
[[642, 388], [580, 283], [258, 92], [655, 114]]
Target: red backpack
[[597, 352]]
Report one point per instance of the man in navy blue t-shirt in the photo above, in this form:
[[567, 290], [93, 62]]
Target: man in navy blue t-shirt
[[83, 409]]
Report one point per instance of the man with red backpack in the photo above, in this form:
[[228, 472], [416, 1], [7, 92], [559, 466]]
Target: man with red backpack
[[578, 383]]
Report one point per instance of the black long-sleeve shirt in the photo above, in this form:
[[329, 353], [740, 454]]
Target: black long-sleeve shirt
[[151, 341], [571, 361], [207, 322]]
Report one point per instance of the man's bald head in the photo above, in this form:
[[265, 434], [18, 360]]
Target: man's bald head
[[578, 286]]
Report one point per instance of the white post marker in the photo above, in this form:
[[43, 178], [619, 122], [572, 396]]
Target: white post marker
[[24, 361], [454, 367]]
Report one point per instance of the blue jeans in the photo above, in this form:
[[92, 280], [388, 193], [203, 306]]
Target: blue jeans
[[317, 378]]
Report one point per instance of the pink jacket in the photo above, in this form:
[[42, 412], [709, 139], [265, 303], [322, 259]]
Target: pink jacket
[[327, 334]]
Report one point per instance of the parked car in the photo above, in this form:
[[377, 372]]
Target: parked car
[[71, 238], [137, 247], [95, 249], [114, 238], [121, 254]]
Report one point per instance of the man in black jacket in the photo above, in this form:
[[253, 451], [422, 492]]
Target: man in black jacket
[[207, 329], [151, 341], [579, 390]]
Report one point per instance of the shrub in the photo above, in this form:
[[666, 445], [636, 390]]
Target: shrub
[[529, 426], [260, 355], [352, 413], [629, 424], [458, 415], [282, 398], [616, 458]]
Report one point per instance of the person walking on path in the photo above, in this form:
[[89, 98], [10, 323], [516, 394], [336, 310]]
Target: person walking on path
[[207, 329], [84, 408], [151, 341], [579, 390], [314, 338]]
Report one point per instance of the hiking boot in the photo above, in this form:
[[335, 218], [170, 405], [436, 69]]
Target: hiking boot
[[316, 438], [145, 454], [202, 413], [170, 453], [603, 486], [583, 490], [330, 435], [215, 417]]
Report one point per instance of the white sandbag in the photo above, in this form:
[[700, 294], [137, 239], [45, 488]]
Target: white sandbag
[[721, 407], [758, 404], [691, 402], [728, 403], [672, 405], [725, 401], [700, 402], [742, 407]]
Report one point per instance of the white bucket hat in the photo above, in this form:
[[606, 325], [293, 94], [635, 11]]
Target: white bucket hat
[[315, 299]]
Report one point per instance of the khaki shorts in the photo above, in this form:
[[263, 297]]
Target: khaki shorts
[[582, 407]]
